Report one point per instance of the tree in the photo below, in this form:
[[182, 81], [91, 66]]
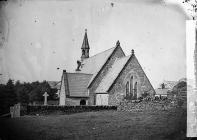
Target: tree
[[7, 96], [38, 89], [11, 95], [21, 92], [192, 7]]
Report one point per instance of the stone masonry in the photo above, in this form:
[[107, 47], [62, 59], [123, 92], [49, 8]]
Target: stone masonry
[[118, 53], [118, 91]]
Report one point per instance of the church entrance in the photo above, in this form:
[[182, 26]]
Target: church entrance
[[83, 102], [102, 99]]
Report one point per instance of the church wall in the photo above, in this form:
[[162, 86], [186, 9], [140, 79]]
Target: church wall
[[117, 54], [118, 90]]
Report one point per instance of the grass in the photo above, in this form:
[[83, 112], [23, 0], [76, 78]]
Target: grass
[[98, 125]]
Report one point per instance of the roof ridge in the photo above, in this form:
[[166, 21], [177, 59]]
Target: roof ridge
[[101, 52], [123, 57], [78, 73]]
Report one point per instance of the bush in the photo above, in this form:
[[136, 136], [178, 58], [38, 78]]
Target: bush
[[33, 110], [180, 102]]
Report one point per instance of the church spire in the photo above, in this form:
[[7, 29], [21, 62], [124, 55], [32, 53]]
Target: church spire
[[85, 47]]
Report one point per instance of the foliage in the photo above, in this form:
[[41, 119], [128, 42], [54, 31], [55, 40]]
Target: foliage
[[180, 102], [43, 110], [145, 94], [181, 86], [24, 93], [192, 7], [8, 96]]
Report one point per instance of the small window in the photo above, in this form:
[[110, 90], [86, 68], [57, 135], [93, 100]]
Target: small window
[[83, 52]]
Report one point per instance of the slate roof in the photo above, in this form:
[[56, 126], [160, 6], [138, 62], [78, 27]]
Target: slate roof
[[170, 84], [160, 91], [77, 84], [112, 74], [93, 64]]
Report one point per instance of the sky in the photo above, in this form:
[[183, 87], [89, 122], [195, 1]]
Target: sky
[[37, 37]]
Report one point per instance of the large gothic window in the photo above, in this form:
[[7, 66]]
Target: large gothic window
[[127, 89], [131, 86], [135, 91]]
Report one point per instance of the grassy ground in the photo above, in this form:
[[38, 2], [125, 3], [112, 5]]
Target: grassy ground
[[98, 125]]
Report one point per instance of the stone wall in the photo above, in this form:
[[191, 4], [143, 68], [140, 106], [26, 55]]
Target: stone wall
[[47, 110], [119, 87], [153, 105], [118, 53]]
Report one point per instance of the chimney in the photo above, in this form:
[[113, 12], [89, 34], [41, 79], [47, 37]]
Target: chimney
[[132, 52], [78, 65]]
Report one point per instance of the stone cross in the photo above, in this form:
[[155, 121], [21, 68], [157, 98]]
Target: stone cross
[[45, 98]]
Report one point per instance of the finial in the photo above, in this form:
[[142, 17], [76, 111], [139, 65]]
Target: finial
[[132, 51], [118, 43], [86, 30]]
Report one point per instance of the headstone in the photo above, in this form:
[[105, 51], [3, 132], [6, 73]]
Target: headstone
[[15, 110], [45, 98]]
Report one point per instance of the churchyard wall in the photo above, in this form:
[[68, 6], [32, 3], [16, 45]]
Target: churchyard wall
[[151, 105], [47, 110]]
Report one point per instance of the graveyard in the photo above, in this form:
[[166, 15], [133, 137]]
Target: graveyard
[[107, 125], [135, 119]]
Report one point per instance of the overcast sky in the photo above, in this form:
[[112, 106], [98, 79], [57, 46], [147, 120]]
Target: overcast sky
[[37, 37]]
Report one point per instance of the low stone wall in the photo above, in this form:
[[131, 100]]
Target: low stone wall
[[149, 105], [45, 110]]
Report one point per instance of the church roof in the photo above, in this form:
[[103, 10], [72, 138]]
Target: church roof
[[112, 74], [77, 84], [160, 91], [170, 84], [94, 63]]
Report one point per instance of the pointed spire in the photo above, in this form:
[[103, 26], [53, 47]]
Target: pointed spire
[[85, 44], [118, 43]]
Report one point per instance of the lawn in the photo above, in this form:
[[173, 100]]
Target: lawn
[[98, 125]]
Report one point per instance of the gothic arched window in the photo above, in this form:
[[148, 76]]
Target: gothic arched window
[[135, 91], [131, 86], [127, 89]]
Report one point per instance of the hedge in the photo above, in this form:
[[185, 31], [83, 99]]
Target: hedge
[[44, 110]]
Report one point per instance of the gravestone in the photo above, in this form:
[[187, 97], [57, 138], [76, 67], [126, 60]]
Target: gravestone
[[15, 110], [45, 98]]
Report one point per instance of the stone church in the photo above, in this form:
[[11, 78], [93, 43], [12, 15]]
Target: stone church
[[104, 79]]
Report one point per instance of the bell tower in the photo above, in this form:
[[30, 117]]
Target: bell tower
[[85, 47]]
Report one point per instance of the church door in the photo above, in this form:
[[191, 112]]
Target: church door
[[102, 99], [131, 87], [135, 91]]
